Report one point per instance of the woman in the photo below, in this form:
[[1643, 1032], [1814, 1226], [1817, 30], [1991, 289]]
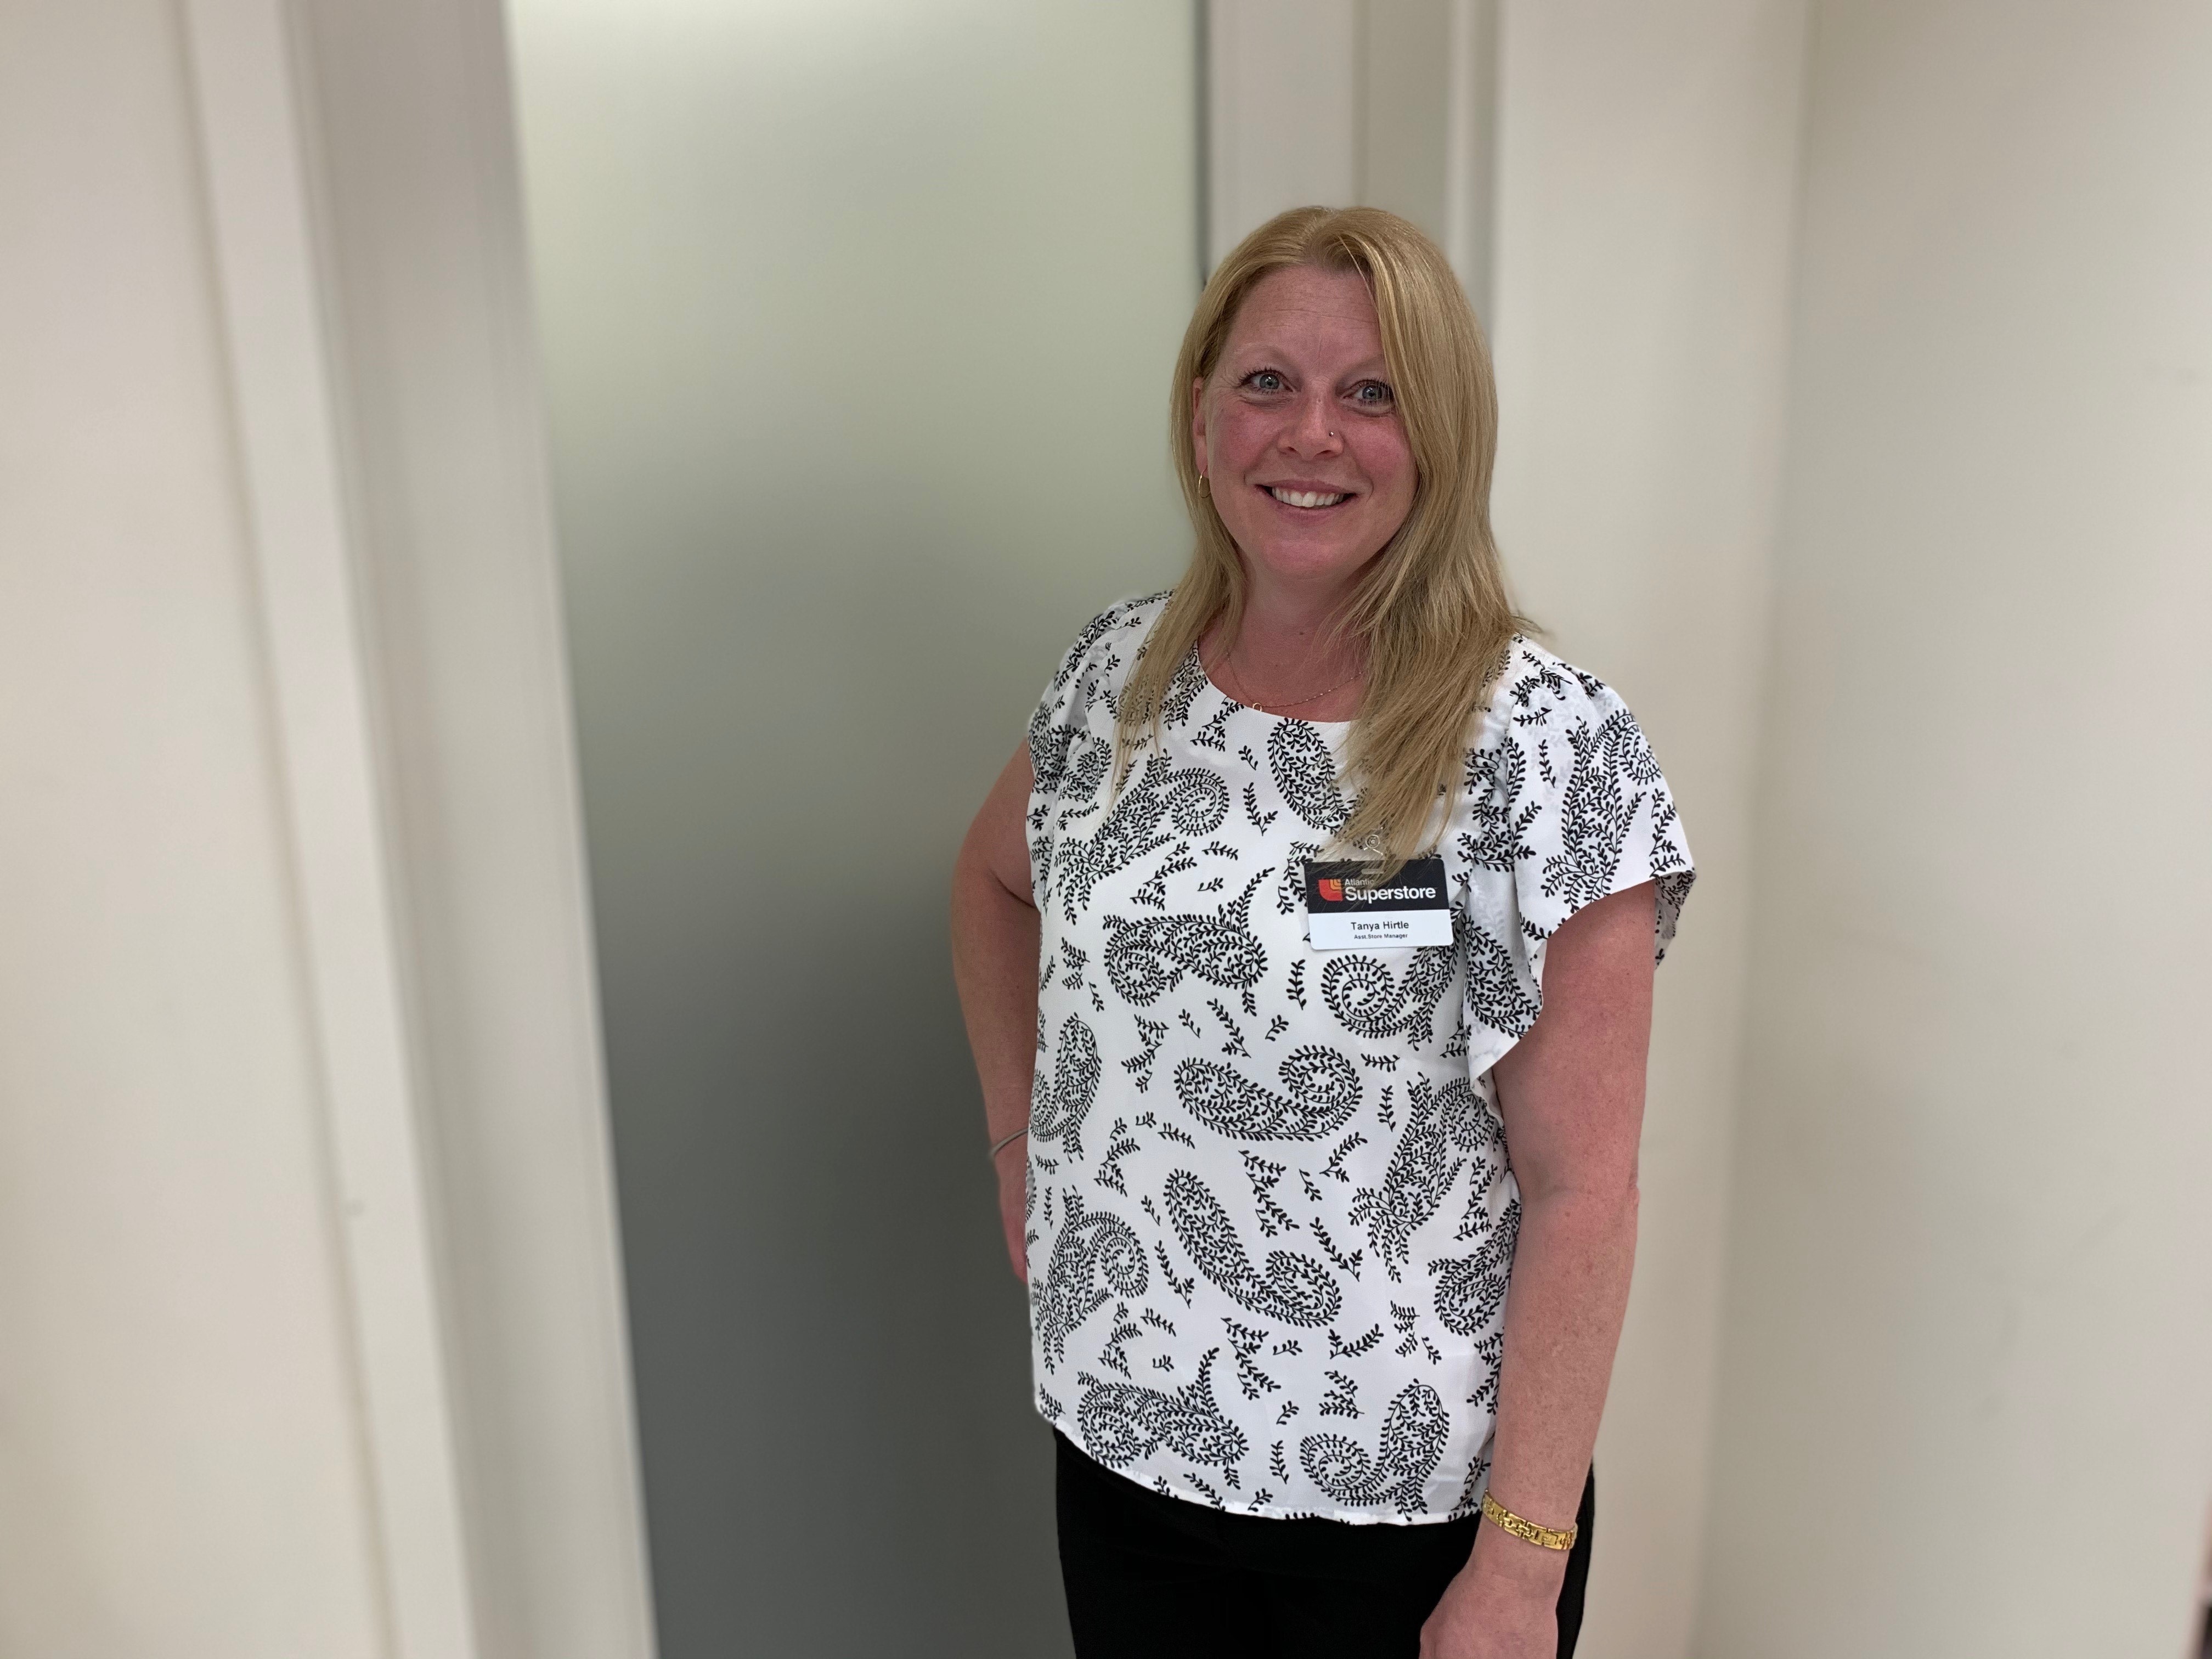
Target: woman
[[1315, 887]]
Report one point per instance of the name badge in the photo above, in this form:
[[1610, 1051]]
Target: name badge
[[1341, 915]]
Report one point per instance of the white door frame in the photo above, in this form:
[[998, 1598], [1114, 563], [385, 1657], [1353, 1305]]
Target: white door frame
[[366, 204]]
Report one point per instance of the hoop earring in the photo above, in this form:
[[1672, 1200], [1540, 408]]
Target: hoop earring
[[1204, 488]]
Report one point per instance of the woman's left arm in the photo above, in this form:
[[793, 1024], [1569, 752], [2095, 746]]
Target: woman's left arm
[[1571, 1092]]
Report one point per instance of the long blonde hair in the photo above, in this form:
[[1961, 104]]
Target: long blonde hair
[[1431, 607]]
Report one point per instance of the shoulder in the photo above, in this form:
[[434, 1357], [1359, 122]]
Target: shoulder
[[1565, 796], [1563, 805], [1539, 693], [1089, 673], [1100, 655], [1564, 719], [1120, 624]]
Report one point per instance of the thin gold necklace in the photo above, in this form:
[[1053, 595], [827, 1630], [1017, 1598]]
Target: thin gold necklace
[[1300, 702]]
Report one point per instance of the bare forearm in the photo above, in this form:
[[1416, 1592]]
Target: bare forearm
[[1571, 1095], [994, 966], [1572, 1266]]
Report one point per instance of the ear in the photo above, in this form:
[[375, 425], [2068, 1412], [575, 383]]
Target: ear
[[1198, 425]]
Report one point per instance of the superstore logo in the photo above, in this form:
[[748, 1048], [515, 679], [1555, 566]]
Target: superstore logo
[[1377, 896]]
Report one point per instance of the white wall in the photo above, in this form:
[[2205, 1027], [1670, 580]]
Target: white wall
[[1646, 171], [181, 1455], [1963, 1411]]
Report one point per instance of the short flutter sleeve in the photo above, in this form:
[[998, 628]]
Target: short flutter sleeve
[[1563, 803], [1069, 735]]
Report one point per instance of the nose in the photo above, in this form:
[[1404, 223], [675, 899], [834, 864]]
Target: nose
[[1310, 430]]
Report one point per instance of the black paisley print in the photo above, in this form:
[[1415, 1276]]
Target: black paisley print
[[1272, 1220], [1321, 1087], [1415, 1429]]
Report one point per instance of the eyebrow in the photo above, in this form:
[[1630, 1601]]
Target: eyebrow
[[1367, 367]]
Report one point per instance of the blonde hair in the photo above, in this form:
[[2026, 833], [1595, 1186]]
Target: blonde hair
[[1431, 607]]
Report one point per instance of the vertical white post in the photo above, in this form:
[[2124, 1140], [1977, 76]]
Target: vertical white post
[[1282, 111], [366, 205], [1471, 146], [1338, 101], [253, 139]]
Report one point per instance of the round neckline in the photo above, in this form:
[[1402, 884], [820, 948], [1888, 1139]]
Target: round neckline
[[1250, 709]]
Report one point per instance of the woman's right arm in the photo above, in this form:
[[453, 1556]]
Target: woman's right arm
[[994, 964]]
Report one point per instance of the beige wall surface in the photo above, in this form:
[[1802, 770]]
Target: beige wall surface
[[1965, 1406], [1646, 177], [180, 1468], [857, 317], [1899, 548]]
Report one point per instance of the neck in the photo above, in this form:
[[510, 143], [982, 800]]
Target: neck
[[1285, 650]]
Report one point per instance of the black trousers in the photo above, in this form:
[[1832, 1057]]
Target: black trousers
[[1150, 1577]]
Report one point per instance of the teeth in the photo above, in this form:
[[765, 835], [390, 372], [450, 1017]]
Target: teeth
[[1304, 498]]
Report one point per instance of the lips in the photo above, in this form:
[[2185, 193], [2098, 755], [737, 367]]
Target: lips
[[1307, 499]]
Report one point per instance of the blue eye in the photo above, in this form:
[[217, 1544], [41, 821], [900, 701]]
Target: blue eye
[[1372, 394], [1265, 380]]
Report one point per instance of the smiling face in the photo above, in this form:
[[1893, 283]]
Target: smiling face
[[1297, 431]]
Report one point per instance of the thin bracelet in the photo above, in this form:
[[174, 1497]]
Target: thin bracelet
[[1004, 1141], [1521, 1528]]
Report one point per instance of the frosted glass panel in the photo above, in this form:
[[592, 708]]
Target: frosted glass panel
[[857, 319]]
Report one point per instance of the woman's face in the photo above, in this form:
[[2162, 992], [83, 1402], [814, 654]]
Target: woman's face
[[1297, 431]]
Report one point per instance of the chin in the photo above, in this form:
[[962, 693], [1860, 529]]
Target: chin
[[1305, 565]]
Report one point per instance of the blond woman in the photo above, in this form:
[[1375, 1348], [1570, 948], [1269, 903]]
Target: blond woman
[[1306, 950]]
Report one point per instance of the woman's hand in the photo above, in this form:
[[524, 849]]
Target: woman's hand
[[1012, 1164], [1503, 1604]]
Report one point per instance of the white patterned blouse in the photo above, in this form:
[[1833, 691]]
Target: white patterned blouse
[[1271, 1214]]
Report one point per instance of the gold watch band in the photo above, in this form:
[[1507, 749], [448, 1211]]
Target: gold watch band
[[1520, 1527]]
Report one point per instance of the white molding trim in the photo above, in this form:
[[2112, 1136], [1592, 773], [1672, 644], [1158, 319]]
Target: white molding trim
[[1474, 61], [1282, 105], [1387, 102], [253, 150], [366, 205]]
